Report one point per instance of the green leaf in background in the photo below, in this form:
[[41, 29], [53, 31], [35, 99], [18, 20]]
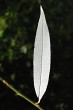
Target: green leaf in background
[[3, 25]]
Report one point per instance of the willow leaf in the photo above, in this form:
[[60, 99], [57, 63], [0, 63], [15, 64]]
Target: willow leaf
[[42, 57]]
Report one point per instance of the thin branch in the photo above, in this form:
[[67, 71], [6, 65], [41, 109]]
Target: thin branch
[[20, 94]]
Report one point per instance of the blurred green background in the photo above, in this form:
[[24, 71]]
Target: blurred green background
[[18, 24]]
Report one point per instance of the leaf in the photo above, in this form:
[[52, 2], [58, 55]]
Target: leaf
[[42, 57]]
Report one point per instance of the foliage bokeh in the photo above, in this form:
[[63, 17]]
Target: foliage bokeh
[[18, 24]]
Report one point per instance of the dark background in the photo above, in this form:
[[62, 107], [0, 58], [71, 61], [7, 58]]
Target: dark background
[[18, 24]]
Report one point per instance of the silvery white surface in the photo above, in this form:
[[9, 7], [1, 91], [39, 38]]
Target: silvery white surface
[[42, 57]]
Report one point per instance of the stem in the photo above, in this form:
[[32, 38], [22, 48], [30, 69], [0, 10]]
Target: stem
[[20, 94]]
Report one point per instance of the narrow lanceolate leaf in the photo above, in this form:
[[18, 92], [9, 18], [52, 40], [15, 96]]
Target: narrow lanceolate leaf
[[42, 54]]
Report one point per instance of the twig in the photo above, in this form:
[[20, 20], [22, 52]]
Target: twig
[[20, 94]]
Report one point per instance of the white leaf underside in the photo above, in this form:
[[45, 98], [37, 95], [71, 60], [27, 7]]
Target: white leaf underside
[[41, 60]]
